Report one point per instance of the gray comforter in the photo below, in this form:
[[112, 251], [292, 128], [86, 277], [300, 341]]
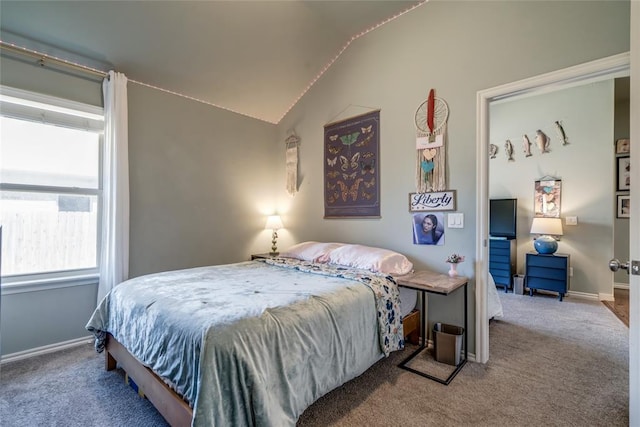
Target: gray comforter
[[253, 343]]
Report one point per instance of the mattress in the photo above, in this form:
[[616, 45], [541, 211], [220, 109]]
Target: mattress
[[408, 298]]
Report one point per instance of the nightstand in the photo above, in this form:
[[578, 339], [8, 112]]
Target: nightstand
[[264, 255], [439, 284], [549, 272]]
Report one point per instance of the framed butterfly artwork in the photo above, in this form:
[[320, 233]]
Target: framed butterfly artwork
[[546, 201], [352, 167]]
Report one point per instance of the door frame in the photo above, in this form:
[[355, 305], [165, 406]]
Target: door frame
[[605, 68]]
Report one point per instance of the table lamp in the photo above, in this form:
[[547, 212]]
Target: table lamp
[[274, 223], [546, 228]]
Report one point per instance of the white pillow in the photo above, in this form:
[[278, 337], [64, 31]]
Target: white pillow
[[309, 251], [370, 258]]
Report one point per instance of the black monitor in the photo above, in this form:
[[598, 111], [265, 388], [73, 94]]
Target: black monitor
[[503, 214]]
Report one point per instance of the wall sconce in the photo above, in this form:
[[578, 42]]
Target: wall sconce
[[546, 228], [274, 223]]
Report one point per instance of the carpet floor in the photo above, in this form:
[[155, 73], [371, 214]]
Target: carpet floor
[[552, 363]]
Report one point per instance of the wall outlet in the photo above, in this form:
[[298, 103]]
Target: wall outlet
[[570, 271], [571, 220]]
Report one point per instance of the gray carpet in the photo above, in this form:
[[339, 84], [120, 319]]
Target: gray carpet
[[552, 363]]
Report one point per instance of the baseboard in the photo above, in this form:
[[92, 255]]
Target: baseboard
[[45, 349], [619, 285], [584, 295]]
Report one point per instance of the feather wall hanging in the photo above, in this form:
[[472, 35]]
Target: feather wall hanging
[[431, 124], [291, 157]]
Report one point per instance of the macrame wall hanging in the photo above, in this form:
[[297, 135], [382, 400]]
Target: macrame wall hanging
[[431, 126], [291, 156]]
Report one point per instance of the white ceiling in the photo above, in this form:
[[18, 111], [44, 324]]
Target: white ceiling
[[252, 57]]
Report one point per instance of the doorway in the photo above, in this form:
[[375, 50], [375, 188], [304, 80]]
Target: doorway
[[607, 68]]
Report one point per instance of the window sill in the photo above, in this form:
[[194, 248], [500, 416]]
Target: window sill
[[34, 285]]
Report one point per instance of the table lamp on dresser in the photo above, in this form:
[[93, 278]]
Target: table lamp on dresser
[[546, 229]]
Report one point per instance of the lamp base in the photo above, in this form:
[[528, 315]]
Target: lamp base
[[545, 245]]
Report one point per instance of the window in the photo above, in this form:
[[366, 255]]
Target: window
[[50, 186]]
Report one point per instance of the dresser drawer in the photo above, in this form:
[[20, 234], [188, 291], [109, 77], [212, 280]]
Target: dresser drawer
[[546, 261], [546, 273]]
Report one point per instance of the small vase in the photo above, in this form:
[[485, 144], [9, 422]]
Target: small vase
[[453, 269]]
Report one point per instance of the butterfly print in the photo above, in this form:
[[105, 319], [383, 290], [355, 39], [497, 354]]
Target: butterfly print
[[346, 163], [366, 195], [368, 166], [351, 176], [371, 183], [368, 155], [347, 191], [365, 141], [333, 174], [367, 129], [349, 139], [330, 186], [333, 137], [334, 150], [333, 197], [332, 162]]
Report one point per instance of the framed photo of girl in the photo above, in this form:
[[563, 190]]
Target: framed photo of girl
[[428, 228]]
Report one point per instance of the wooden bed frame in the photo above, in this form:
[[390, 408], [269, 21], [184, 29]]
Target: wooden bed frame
[[169, 403]]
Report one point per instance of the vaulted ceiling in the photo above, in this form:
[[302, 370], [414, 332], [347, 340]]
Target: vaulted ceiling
[[256, 58]]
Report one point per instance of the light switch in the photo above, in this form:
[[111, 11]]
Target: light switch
[[455, 220], [571, 220]]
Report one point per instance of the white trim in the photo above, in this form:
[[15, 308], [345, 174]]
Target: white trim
[[616, 65], [51, 103], [618, 285], [48, 283], [51, 348]]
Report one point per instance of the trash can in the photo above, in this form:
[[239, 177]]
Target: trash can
[[518, 284], [447, 343]]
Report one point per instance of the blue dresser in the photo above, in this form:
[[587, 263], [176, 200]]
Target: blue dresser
[[547, 272], [502, 261]]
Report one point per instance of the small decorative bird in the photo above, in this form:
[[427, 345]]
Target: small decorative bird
[[542, 141], [526, 145], [508, 149]]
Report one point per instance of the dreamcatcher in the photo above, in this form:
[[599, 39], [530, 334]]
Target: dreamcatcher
[[431, 124]]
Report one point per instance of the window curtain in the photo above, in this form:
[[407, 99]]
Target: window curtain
[[114, 262]]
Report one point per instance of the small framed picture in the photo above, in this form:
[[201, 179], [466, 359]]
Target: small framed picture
[[624, 206], [624, 173], [623, 146]]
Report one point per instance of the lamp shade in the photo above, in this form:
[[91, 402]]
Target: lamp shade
[[274, 223], [546, 227]]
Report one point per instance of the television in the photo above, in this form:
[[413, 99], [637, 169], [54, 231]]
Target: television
[[503, 214]]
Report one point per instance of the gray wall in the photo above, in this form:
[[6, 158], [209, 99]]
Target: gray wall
[[457, 48], [202, 179], [585, 166], [201, 185]]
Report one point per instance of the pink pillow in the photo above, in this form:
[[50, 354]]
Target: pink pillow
[[310, 251], [370, 258]]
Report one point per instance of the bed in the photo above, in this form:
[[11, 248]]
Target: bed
[[255, 343]]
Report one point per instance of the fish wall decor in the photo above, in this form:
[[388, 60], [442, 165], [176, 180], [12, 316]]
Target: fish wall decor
[[508, 149], [561, 133], [526, 145], [493, 149], [542, 141]]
